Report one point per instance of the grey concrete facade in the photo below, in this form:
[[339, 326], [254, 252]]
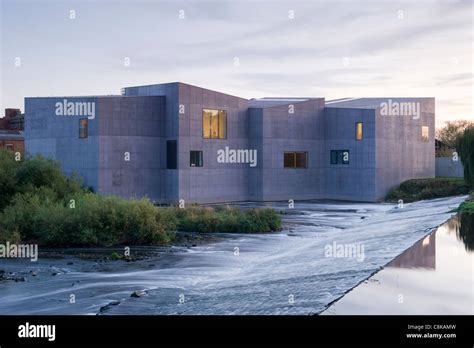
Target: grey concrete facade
[[125, 152], [447, 167]]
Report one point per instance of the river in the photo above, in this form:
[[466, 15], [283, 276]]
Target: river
[[289, 272]]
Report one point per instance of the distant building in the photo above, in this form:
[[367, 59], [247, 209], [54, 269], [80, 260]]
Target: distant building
[[13, 120], [11, 130], [174, 141], [12, 140]]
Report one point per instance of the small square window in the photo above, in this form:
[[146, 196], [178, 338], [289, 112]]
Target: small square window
[[195, 159], [295, 160]]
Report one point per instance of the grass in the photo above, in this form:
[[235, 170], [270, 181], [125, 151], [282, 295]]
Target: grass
[[467, 207], [227, 219], [429, 188]]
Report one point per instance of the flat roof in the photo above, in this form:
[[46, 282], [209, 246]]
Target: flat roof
[[369, 103], [268, 102]]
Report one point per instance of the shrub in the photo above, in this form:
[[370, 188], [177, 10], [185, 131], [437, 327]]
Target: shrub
[[226, 219], [38, 171], [8, 181], [430, 188], [94, 221]]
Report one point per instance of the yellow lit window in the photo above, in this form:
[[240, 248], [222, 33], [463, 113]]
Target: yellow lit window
[[214, 124], [359, 130]]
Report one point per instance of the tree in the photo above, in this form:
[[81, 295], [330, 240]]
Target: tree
[[452, 130], [465, 148]]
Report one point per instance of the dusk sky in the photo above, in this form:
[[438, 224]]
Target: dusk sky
[[330, 49]]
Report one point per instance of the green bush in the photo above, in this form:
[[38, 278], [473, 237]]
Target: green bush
[[226, 219], [430, 188], [37, 171], [38, 204], [8, 180], [94, 220]]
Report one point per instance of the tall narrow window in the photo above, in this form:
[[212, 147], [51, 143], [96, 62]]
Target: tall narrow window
[[214, 124], [195, 159], [359, 130], [83, 128], [171, 154], [295, 160], [333, 156], [425, 133]]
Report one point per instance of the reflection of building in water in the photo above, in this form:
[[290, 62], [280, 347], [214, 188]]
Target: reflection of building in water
[[420, 255]]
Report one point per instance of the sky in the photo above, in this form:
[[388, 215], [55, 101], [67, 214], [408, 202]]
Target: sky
[[252, 49]]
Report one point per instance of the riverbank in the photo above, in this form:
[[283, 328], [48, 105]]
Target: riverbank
[[430, 188]]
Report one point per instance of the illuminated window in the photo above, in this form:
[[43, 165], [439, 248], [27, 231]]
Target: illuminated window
[[83, 128], [339, 156], [214, 124], [359, 130], [295, 160], [195, 159], [425, 133]]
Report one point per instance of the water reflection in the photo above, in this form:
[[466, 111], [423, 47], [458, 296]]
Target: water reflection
[[420, 255], [434, 276], [464, 227]]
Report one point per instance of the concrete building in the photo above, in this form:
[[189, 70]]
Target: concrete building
[[175, 141]]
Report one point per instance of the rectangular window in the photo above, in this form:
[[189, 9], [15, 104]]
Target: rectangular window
[[295, 160], [359, 130], [214, 124], [9, 147], [83, 128], [171, 154], [339, 156], [425, 133], [195, 159]]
